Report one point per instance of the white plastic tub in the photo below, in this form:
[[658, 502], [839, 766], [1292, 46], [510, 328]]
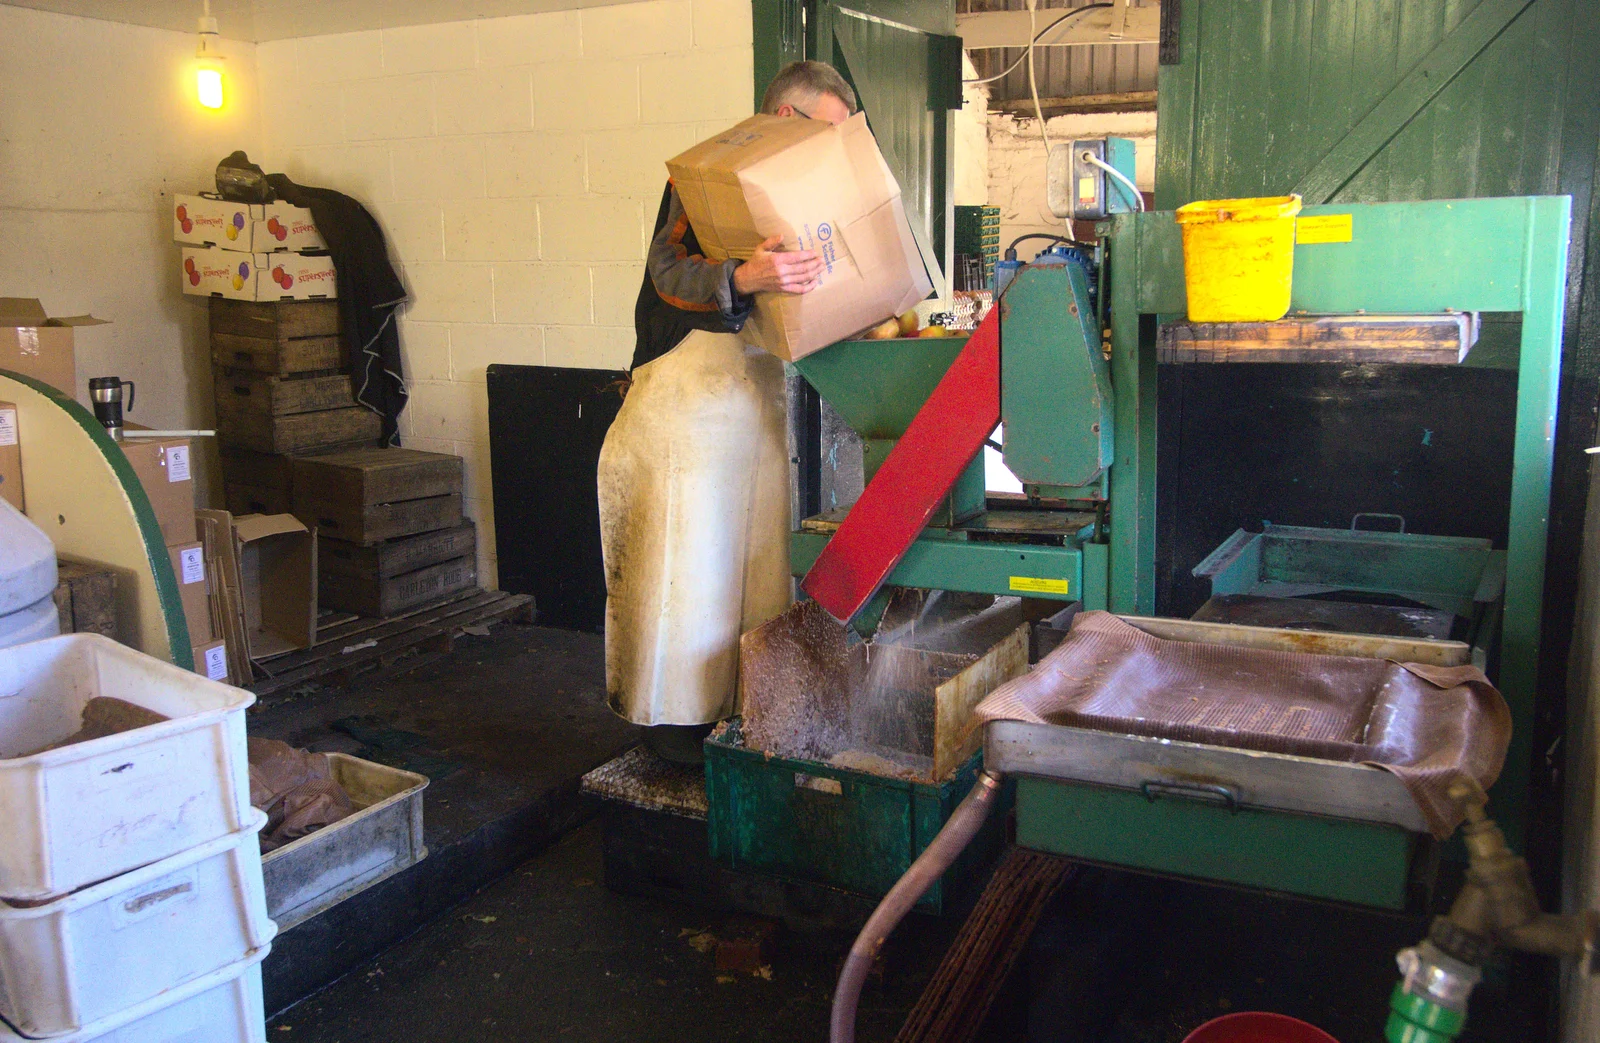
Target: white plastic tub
[[90, 811], [83, 958], [322, 869], [222, 1007]]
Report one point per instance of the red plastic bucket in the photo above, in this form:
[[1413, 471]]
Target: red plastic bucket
[[1257, 1027]]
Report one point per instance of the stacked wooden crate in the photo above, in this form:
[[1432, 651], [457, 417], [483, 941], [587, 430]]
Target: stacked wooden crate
[[282, 387], [390, 531]]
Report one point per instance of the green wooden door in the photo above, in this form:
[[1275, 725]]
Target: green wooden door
[[1354, 101], [904, 61]]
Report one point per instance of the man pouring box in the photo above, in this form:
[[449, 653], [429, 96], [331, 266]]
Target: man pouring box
[[821, 187]]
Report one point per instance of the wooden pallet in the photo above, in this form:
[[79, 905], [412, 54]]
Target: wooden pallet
[[349, 646]]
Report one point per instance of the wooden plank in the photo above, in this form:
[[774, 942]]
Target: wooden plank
[[1401, 105], [375, 595], [379, 521], [374, 475], [1126, 101], [300, 432], [282, 358], [243, 391], [1343, 339], [395, 557], [357, 628], [390, 636], [275, 320]]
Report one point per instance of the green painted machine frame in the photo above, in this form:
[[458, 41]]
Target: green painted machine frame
[[1486, 255], [1505, 255]]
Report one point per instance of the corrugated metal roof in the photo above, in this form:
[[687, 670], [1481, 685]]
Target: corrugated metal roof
[[1065, 72]]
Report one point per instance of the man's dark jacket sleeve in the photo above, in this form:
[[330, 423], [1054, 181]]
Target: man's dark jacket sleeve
[[683, 289]]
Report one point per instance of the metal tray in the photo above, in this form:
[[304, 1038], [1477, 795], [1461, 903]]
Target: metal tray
[[321, 870], [1231, 777]]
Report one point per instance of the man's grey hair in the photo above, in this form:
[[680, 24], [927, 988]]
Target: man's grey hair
[[801, 83]]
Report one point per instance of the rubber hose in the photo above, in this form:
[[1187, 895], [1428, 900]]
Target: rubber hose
[[957, 833]]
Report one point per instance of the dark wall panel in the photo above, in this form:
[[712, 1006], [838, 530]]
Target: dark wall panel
[[546, 426]]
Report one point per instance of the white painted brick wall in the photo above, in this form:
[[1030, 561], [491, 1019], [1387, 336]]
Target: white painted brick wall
[[516, 165]]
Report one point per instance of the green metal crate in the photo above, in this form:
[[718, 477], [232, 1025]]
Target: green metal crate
[[807, 820], [978, 234]]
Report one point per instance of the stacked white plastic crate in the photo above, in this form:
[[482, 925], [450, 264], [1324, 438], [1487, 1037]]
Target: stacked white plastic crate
[[131, 902]]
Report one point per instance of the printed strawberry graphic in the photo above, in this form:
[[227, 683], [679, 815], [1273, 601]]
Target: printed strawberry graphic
[[191, 271], [182, 214]]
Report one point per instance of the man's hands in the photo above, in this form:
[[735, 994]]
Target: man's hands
[[770, 270]]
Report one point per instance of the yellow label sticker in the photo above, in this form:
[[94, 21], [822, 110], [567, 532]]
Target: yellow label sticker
[[1039, 585], [1086, 188], [1323, 228]]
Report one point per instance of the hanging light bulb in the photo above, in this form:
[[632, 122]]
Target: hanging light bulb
[[208, 63]]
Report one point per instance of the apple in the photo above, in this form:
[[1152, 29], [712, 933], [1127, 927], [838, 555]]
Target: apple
[[934, 331], [888, 329], [908, 324]]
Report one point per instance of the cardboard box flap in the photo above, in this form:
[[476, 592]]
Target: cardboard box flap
[[255, 526], [27, 311], [22, 311]]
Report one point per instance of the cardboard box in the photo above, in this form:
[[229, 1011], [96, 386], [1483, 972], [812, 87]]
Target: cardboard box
[[162, 465], [189, 568], [227, 612], [211, 660], [285, 227], [10, 457], [296, 277], [38, 346], [208, 221], [277, 568], [821, 187], [210, 272]]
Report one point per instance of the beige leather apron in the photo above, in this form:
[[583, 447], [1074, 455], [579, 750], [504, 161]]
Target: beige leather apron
[[694, 519]]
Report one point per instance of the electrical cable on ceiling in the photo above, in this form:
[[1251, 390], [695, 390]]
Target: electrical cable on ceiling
[[1133, 190], [1075, 12]]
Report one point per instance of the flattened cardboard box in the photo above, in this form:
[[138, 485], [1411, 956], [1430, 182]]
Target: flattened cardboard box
[[821, 187], [37, 346], [227, 604], [10, 457]]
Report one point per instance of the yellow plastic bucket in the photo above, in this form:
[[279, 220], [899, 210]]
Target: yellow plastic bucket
[[1238, 257]]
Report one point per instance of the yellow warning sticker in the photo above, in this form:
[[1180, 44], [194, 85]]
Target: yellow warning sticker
[[1039, 585], [1323, 228]]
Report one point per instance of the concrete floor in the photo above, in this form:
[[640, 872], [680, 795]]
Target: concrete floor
[[549, 954]]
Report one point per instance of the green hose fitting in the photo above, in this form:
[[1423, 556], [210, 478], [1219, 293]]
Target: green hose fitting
[[1413, 1019]]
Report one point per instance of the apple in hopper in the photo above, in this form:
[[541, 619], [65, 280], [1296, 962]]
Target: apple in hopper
[[908, 324], [885, 330]]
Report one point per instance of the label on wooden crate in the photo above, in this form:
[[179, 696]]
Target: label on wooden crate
[[8, 427]]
